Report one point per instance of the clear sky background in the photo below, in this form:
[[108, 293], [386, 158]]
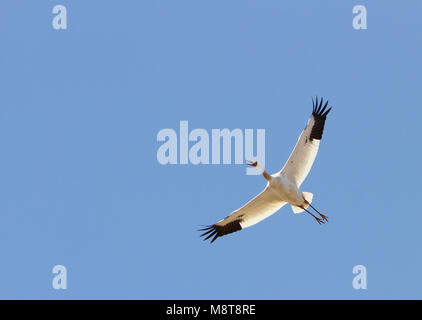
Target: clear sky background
[[80, 184]]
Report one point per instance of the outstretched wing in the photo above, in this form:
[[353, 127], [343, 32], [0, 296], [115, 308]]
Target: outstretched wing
[[259, 208], [303, 155]]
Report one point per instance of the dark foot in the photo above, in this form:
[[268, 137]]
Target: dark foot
[[324, 217], [320, 221]]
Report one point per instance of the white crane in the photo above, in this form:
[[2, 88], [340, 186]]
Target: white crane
[[283, 186]]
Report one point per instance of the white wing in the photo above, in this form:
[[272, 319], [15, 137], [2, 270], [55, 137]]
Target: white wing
[[300, 161], [259, 208]]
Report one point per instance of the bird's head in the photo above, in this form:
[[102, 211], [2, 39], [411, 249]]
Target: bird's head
[[252, 164], [255, 165]]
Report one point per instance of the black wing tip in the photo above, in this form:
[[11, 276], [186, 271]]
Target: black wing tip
[[219, 231], [319, 114], [318, 110], [210, 231]]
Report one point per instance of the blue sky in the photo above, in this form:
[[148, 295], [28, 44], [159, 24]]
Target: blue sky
[[81, 185]]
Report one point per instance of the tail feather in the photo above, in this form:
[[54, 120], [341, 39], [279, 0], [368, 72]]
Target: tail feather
[[308, 197]]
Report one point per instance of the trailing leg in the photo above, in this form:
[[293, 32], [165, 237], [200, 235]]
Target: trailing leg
[[323, 216], [320, 221]]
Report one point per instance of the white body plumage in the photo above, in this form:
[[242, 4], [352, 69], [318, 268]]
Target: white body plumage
[[286, 189]]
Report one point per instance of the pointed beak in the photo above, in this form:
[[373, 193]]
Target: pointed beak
[[252, 164]]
